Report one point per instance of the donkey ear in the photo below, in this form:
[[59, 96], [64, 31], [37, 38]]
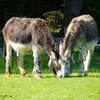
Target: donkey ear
[[61, 49], [60, 45], [68, 52], [54, 53]]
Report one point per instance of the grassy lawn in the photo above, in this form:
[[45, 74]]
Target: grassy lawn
[[50, 87]]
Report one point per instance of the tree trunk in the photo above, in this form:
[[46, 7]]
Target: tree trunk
[[1, 16], [72, 8]]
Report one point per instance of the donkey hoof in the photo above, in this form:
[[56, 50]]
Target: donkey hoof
[[81, 75], [38, 75], [85, 73], [25, 75], [8, 75]]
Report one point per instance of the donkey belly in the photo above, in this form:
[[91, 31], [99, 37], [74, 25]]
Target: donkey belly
[[91, 45], [26, 48], [88, 45], [22, 48]]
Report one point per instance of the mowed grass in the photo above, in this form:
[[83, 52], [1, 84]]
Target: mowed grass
[[50, 87]]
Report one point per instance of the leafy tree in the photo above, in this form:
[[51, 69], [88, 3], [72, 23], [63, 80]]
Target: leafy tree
[[37, 8], [92, 7], [54, 20], [72, 8]]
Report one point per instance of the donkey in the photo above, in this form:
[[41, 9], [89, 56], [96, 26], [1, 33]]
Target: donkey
[[30, 36], [81, 36]]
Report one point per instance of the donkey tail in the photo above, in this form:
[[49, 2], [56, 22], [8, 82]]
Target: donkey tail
[[4, 52]]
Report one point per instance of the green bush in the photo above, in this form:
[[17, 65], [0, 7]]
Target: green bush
[[54, 20]]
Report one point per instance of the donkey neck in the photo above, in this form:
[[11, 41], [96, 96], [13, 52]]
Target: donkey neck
[[45, 37], [69, 41], [51, 45]]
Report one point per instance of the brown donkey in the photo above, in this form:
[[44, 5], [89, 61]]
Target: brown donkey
[[30, 36], [81, 35]]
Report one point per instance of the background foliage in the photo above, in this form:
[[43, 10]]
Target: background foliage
[[92, 7], [38, 8]]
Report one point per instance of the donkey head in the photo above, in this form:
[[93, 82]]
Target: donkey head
[[66, 61], [54, 65]]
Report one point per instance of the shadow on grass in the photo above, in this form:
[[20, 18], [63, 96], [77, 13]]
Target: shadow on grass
[[49, 77], [90, 74]]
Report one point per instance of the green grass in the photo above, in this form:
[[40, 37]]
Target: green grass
[[50, 87]]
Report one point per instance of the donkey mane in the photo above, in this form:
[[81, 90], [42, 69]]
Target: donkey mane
[[47, 38]]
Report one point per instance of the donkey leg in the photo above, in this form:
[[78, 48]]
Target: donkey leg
[[87, 62], [8, 58], [20, 64], [37, 61], [81, 60]]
